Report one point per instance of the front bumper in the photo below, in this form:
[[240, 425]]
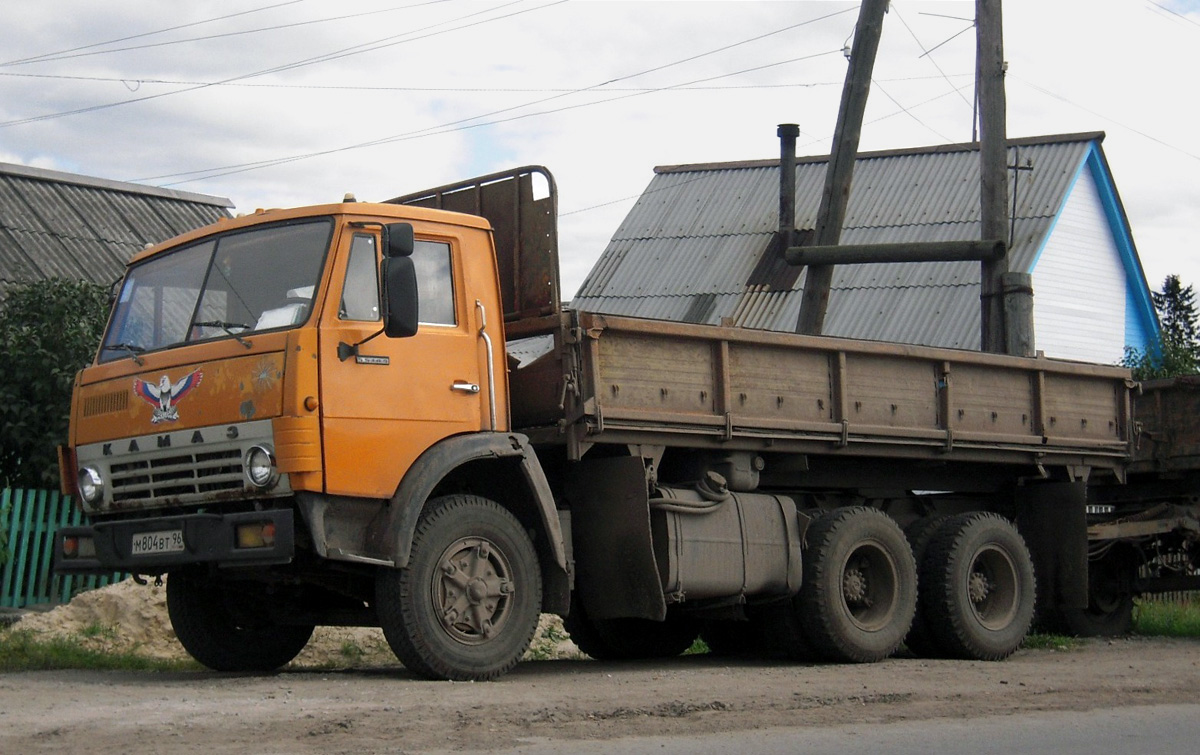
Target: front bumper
[[173, 541]]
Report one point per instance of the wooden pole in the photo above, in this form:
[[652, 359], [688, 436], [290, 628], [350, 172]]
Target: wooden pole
[[993, 168], [840, 169]]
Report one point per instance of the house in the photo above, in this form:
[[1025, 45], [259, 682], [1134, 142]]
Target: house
[[55, 224], [696, 248]]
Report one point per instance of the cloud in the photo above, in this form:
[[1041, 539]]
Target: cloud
[[600, 92]]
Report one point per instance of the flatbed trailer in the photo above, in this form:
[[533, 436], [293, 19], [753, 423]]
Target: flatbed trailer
[[381, 414]]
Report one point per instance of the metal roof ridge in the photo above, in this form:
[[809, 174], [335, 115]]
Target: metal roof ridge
[[1026, 141], [57, 176]]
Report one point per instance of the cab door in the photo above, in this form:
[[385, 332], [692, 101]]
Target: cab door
[[384, 405]]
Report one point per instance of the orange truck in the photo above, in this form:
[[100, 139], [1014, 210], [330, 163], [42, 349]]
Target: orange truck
[[379, 414]]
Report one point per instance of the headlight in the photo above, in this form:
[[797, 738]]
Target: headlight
[[260, 467], [90, 484]]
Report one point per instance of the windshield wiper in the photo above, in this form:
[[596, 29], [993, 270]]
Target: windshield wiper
[[227, 327], [131, 348]]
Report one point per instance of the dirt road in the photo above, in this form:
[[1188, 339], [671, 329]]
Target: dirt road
[[387, 710]]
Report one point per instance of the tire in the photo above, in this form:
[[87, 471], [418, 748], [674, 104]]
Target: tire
[[1110, 598], [859, 594], [467, 605], [978, 587], [629, 639], [222, 625], [919, 639]]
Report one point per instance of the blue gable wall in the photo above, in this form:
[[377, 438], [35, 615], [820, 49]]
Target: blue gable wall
[[1141, 324]]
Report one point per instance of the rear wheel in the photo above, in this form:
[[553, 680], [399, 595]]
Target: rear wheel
[[978, 587], [860, 586], [224, 625], [919, 640], [467, 604]]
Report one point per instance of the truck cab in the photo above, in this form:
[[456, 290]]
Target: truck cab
[[276, 399]]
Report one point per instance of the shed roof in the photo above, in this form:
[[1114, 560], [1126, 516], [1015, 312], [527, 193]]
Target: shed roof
[[55, 224], [695, 246]]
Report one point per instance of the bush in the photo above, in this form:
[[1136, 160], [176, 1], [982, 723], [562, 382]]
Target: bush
[[48, 331]]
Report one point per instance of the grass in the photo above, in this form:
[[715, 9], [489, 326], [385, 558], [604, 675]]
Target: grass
[[1157, 618], [23, 650]]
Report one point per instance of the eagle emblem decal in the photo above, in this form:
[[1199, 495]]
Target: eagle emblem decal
[[166, 396]]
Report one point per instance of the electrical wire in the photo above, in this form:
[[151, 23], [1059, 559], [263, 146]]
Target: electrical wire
[[1061, 98], [462, 124], [52, 55], [75, 53], [925, 53], [431, 89], [338, 54], [459, 125]]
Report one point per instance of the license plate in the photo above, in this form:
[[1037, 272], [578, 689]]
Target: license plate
[[165, 541]]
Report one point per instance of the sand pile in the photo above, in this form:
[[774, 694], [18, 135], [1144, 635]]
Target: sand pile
[[128, 617]]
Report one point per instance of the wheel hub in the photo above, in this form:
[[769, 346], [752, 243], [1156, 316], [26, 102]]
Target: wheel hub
[[978, 587], [472, 590], [854, 586]]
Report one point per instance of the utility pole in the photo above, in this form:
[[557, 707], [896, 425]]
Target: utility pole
[[993, 168], [840, 169]]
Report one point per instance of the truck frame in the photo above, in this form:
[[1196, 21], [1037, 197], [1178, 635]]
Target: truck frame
[[380, 414]]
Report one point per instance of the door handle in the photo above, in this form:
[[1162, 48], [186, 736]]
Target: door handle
[[465, 387]]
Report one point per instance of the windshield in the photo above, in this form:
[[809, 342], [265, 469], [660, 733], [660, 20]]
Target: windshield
[[222, 287]]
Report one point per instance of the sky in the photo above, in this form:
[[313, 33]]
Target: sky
[[276, 103]]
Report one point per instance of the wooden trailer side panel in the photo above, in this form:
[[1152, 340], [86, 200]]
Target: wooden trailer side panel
[[644, 381]]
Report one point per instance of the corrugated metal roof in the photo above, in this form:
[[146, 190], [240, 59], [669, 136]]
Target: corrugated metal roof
[[687, 249], [55, 224]]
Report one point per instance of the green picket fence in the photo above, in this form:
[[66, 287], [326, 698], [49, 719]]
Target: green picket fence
[[29, 519]]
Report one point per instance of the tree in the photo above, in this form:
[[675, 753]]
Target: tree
[[1178, 351], [48, 331]]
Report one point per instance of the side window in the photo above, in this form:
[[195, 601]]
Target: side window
[[360, 295], [435, 284]]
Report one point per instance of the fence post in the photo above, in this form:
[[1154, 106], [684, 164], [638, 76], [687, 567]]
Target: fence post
[[7, 503], [35, 535]]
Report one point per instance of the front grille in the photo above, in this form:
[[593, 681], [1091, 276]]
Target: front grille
[[193, 466], [177, 476], [106, 403]]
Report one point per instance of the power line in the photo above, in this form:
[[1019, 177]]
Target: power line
[[345, 52], [909, 112], [53, 55], [1127, 127], [925, 54], [459, 124], [454, 126], [1175, 13], [74, 54], [372, 88]]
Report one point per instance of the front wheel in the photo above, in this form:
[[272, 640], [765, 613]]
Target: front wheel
[[224, 625], [467, 605], [977, 587]]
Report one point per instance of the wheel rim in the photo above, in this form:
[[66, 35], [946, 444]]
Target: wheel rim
[[869, 586], [992, 588], [473, 590]]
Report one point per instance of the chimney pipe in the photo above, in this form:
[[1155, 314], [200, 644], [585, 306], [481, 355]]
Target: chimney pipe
[[787, 184]]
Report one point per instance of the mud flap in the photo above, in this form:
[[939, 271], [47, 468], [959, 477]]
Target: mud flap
[[1052, 517], [616, 575]]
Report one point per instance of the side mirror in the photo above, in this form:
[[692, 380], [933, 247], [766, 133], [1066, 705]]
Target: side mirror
[[399, 293], [398, 239]]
